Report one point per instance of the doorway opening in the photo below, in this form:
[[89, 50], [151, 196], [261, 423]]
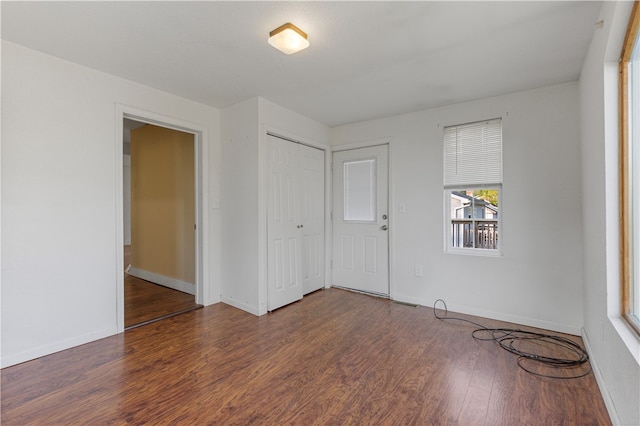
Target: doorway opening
[[161, 245]]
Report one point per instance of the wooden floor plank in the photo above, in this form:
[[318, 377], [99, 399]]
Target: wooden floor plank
[[145, 301], [335, 357]]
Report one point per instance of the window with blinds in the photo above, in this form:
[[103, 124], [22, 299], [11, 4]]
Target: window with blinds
[[473, 186]]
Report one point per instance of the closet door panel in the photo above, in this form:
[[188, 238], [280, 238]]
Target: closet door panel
[[312, 177], [284, 235]]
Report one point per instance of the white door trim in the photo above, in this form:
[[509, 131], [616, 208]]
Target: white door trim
[[362, 144], [201, 198]]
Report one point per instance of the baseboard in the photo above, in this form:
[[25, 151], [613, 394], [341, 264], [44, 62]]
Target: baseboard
[[516, 319], [240, 305], [608, 402], [31, 354], [162, 280]]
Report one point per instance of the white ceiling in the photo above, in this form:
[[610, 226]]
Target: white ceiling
[[366, 59]]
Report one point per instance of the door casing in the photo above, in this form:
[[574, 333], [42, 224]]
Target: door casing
[[201, 199]]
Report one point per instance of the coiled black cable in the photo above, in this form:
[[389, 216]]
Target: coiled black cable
[[509, 339]]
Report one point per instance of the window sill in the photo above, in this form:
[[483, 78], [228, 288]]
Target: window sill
[[628, 336], [474, 252]]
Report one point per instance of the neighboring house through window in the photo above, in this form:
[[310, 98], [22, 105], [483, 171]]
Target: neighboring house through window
[[473, 186]]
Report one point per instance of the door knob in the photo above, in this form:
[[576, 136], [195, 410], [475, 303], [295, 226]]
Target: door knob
[[384, 227]]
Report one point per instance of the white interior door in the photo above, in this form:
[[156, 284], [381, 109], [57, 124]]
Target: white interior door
[[284, 232], [312, 206], [360, 219]]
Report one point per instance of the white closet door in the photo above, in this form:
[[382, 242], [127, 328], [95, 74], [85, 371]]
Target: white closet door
[[312, 174], [284, 234], [295, 253]]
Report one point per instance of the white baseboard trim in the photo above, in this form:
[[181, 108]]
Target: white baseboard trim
[[608, 401], [516, 319], [40, 351], [162, 280], [240, 305]]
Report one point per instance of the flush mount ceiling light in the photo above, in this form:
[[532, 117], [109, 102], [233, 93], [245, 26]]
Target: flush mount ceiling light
[[288, 39]]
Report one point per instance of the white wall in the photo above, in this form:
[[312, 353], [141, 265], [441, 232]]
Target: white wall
[[290, 123], [538, 280], [59, 154], [239, 205], [244, 188], [615, 352]]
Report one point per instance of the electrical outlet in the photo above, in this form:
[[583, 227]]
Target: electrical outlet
[[419, 270]]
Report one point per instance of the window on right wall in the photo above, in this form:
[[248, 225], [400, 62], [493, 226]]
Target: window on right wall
[[473, 187], [629, 164]]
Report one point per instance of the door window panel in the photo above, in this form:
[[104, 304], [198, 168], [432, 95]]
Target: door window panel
[[360, 190]]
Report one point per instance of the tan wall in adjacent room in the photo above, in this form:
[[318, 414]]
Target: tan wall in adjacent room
[[162, 202]]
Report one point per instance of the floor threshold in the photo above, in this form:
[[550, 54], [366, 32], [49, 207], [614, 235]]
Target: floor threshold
[[172, 314]]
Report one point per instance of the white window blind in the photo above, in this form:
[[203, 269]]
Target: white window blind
[[473, 154]]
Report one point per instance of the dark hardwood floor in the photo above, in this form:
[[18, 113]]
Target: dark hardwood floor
[[145, 301], [335, 358]]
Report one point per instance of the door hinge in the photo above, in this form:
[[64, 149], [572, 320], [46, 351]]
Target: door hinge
[[331, 214], [194, 226]]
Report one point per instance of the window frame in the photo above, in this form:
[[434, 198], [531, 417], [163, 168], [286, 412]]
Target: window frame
[[625, 171], [477, 251], [487, 175], [346, 190]]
